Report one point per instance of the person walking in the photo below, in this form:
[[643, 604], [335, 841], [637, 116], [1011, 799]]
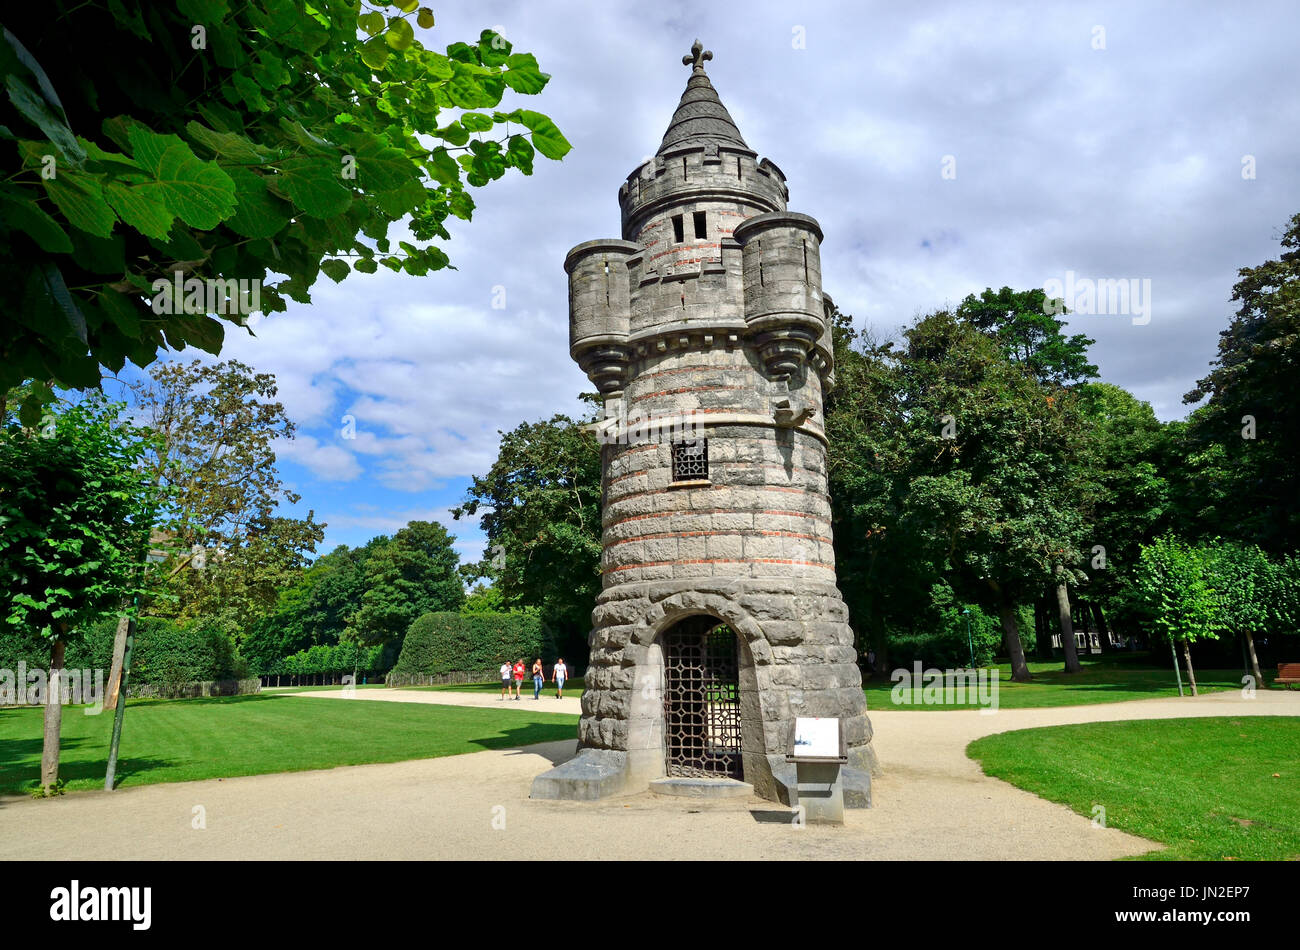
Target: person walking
[[537, 678], [505, 680], [561, 673], [519, 677]]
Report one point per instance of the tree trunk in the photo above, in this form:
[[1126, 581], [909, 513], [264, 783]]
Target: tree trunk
[[1187, 658], [1011, 637], [1042, 632], [53, 719], [115, 671], [1254, 660], [1103, 631], [1103, 645], [1067, 626]]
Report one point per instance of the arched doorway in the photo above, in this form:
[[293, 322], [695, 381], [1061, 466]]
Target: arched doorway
[[702, 731]]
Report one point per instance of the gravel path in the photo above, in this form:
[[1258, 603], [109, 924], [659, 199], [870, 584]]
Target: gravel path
[[932, 802]]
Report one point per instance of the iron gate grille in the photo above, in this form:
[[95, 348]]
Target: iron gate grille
[[702, 701]]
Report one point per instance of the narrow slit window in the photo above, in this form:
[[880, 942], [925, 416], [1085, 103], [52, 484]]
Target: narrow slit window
[[679, 232], [691, 461], [805, 262], [738, 173], [700, 231]]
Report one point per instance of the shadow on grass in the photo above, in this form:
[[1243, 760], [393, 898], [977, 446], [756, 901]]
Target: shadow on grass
[[205, 700], [24, 779]]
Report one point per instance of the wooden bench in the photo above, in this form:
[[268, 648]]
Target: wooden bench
[[1288, 674]]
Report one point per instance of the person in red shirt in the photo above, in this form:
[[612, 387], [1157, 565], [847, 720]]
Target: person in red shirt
[[519, 676]]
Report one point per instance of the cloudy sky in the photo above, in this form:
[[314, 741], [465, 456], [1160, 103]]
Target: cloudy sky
[[944, 147]]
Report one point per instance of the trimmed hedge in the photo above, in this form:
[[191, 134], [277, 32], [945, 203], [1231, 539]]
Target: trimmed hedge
[[164, 653], [448, 642], [339, 658]]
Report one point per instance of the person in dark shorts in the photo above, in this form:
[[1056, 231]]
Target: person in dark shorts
[[505, 679]]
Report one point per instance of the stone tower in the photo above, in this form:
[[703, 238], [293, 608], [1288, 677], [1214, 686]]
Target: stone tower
[[719, 620]]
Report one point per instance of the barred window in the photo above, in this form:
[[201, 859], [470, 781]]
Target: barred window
[[691, 460]]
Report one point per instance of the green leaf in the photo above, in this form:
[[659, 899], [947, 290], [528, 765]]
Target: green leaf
[[524, 76], [437, 66], [425, 18], [335, 269], [520, 152], [141, 207], [375, 55], [313, 184], [493, 48], [81, 199], [258, 213], [366, 265], [400, 35], [546, 137], [35, 109], [207, 12], [476, 121], [372, 22], [443, 167], [42, 80], [27, 216], [197, 192], [381, 166], [121, 311], [226, 145], [462, 205], [250, 92], [454, 132], [45, 284]]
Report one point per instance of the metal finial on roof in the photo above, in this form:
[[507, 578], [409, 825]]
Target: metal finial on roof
[[698, 56]]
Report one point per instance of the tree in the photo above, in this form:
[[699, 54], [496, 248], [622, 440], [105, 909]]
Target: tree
[[217, 426], [1248, 417], [228, 143], [990, 483], [75, 517], [1127, 494], [1024, 324], [1175, 581], [884, 572], [1242, 576], [483, 600], [413, 574], [541, 514]]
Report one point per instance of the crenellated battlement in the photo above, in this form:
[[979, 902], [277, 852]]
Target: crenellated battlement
[[708, 171], [761, 281]]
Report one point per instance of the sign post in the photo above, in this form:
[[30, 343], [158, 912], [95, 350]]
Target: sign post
[[817, 749]]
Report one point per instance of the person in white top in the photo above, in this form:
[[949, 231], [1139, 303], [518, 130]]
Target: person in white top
[[561, 673], [505, 679]]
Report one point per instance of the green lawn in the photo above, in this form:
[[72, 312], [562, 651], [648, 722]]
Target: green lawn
[[1209, 789], [186, 739], [1103, 680]]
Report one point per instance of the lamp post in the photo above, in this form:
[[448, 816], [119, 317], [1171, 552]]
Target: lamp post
[[965, 612]]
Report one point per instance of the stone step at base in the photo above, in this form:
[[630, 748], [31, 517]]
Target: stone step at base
[[680, 787]]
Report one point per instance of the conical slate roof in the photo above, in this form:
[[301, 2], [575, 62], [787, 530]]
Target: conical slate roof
[[700, 114]]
